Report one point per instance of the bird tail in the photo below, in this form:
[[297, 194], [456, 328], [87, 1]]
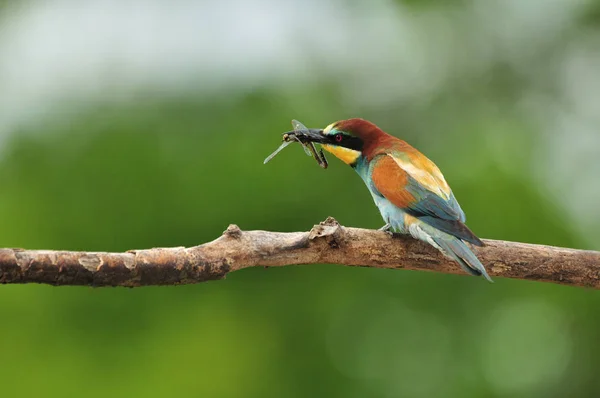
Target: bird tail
[[460, 252], [450, 245]]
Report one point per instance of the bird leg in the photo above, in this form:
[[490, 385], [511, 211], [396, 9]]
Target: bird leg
[[385, 228]]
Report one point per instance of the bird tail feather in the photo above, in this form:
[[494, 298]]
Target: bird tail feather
[[460, 252]]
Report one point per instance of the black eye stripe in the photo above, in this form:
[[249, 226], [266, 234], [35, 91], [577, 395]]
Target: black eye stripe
[[347, 141]]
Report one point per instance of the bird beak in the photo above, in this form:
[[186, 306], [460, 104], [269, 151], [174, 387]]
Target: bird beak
[[309, 135]]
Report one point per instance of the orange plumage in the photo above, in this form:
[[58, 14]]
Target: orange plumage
[[391, 181]]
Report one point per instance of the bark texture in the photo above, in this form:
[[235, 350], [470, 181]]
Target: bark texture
[[328, 243]]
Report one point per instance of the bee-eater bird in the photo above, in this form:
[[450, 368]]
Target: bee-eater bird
[[408, 188]]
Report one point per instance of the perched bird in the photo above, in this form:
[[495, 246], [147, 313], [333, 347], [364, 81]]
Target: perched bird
[[408, 188]]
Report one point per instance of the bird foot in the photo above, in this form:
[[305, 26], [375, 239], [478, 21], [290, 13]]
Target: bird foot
[[387, 228]]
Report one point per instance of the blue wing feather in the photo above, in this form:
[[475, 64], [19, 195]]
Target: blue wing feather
[[429, 203], [445, 215]]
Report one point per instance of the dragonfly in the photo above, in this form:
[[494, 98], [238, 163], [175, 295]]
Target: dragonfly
[[296, 135]]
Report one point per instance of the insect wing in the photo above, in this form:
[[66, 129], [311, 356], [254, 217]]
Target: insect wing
[[299, 127], [271, 156]]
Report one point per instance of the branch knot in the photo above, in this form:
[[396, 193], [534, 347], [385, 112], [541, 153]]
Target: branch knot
[[330, 230], [233, 231]]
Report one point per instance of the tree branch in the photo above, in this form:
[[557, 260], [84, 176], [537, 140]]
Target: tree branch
[[327, 243]]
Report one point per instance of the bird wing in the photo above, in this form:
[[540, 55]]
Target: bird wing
[[415, 184]]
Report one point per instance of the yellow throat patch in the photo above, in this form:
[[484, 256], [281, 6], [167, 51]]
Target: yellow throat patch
[[346, 155]]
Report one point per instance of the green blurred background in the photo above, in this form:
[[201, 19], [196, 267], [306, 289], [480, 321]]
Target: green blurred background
[[139, 124]]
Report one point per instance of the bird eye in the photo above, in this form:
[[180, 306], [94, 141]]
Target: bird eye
[[339, 137]]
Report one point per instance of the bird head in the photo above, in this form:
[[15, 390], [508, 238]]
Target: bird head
[[347, 139]]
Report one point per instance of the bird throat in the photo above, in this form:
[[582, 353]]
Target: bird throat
[[346, 155]]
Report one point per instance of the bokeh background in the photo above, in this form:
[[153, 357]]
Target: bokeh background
[[137, 124]]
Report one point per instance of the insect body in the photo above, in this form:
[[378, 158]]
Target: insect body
[[300, 134]]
